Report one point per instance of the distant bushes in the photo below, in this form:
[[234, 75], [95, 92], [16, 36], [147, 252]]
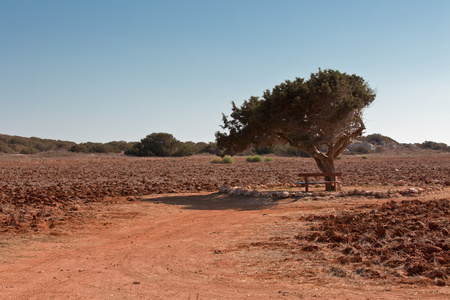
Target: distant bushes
[[434, 146], [16, 144], [377, 139], [256, 158], [164, 144], [111, 147], [168, 146]]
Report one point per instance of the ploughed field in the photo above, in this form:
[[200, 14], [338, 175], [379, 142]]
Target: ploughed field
[[34, 188], [400, 238]]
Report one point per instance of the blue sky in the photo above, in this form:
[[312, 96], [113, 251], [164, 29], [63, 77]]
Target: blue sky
[[118, 70]]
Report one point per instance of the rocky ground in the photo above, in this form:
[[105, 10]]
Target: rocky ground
[[388, 225], [33, 189]]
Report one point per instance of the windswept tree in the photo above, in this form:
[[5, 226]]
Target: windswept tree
[[319, 116]]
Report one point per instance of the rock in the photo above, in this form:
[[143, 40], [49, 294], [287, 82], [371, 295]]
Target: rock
[[75, 207], [380, 195], [223, 189], [400, 183], [231, 192], [413, 191], [240, 191], [282, 195]]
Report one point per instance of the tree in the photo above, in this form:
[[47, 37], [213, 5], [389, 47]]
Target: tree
[[319, 116], [160, 144]]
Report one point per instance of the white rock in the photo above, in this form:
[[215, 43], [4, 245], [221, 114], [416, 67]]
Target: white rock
[[283, 195], [413, 191]]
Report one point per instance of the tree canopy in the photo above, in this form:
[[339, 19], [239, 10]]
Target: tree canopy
[[319, 116], [160, 144]]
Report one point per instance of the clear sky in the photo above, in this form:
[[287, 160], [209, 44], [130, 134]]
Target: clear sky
[[92, 70]]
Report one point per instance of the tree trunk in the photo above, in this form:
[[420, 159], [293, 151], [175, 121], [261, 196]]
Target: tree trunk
[[326, 165]]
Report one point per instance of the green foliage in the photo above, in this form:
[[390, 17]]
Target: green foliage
[[160, 144], [228, 160], [225, 160], [16, 144], [255, 158], [323, 112], [434, 146], [362, 150], [264, 150], [217, 160], [111, 147], [29, 150], [4, 148], [364, 157], [269, 159]]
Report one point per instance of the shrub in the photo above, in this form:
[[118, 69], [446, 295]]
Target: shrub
[[255, 158], [433, 145], [227, 160], [364, 157], [264, 150], [29, 150], [362, 150], [217, 160], [269, 159]]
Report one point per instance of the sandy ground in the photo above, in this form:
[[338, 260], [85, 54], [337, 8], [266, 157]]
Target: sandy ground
[[190, 246]]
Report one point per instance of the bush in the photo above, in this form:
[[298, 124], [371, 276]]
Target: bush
[[433, 145], [362, 150], [255, 158], [269, 159], [217, 160], [264, 150], [160, 144], [29, 150], [228, 160], [364, 157]]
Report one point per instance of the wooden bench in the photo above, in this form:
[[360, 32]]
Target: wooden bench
[[307, 182]]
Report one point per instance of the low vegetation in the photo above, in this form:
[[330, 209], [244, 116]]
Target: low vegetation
[[224, 160], [256, 158], [22, 145]]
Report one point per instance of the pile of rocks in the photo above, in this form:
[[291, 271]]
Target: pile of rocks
[[236, 191]]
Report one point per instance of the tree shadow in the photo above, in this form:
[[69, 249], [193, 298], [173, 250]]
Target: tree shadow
[[214, 201]]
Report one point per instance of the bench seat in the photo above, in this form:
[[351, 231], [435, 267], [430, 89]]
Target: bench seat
[[306, 182]]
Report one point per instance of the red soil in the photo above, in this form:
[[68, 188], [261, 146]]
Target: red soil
[[94, 227]]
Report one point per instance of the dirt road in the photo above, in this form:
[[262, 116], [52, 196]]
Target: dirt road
[[185, 247]]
